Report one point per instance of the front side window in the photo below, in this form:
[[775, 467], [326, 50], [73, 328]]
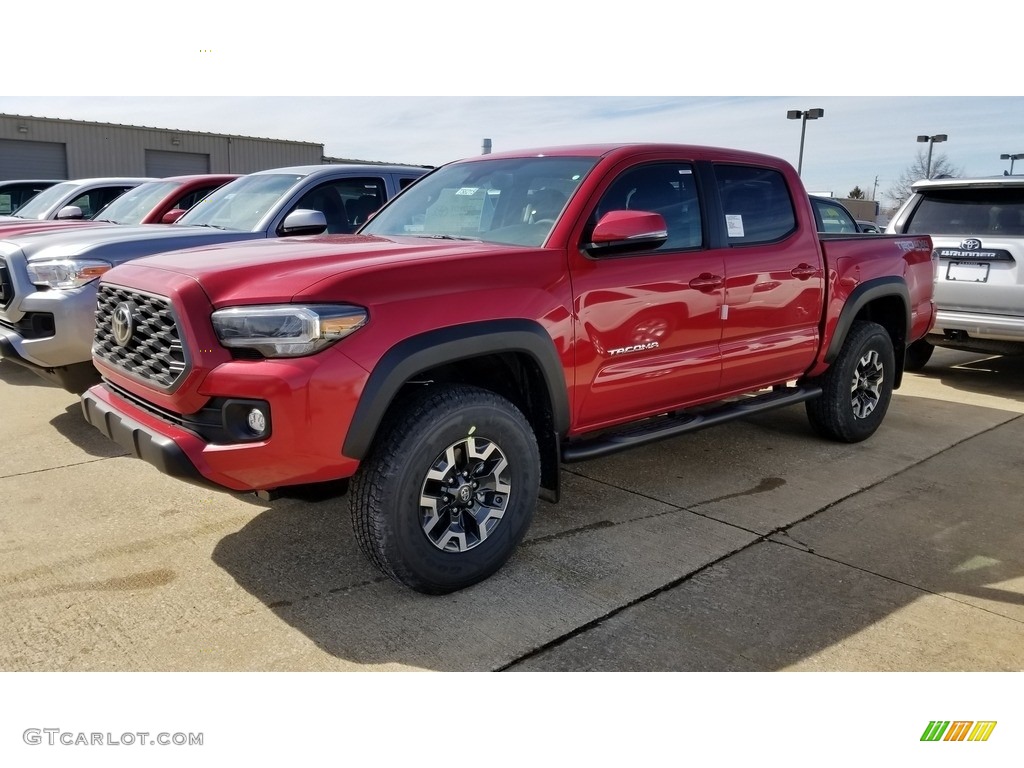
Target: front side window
[[133, 206], [834, 218], [981, 211], [665, 188], [240, 204], [510, 201], [755, 203], [37, 207], [345, 203]]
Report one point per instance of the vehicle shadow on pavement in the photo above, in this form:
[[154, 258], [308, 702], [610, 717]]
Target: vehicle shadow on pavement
[[916, 565], [1001, 376], [71, 424], [19, 376]]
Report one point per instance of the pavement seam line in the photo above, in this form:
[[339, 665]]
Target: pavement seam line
[[808, 551], [62, 466], [760, 538]]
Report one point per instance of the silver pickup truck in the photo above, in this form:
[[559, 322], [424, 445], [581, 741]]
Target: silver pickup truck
[[48, 280], [977, 227]]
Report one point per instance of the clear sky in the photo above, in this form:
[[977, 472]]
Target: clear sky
[[426, 84]]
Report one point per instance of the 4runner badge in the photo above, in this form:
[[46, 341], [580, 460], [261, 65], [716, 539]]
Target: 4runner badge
[[122, 323], [634, 348]]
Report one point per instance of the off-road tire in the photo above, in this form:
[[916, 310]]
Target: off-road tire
[[439, 431], [918, 355], [857, 389]]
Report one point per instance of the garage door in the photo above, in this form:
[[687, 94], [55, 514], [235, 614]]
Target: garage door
[[161, 163], [32, 160]]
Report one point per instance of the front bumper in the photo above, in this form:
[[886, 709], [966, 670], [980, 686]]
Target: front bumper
[[310, 403], [140, 440], [70, 343]]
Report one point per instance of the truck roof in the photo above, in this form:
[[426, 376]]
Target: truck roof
[[975, 181], [313, 170], [629, 148]]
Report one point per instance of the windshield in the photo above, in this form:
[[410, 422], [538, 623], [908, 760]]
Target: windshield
[[135, 204], [978, 211], [242, 203], [510, 201], [37, 207]]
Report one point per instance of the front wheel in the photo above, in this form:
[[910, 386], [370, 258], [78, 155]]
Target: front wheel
[[448, 489], [857, 389]]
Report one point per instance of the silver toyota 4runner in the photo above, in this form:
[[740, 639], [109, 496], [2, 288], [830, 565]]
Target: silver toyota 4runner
[[977, 227]]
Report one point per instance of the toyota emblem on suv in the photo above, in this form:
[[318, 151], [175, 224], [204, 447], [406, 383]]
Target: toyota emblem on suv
[[122, 323], [971, 244]]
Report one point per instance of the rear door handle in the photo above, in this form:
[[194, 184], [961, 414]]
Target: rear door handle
[[707, 282], [804, 271]]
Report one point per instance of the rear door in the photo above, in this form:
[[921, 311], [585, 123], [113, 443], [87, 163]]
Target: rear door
[[775, 282]]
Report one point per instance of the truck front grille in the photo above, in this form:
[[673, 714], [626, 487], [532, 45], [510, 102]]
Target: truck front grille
[[148, 346], [6, 285]]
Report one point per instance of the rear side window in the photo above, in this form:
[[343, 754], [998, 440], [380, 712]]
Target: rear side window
[[989, 211], [755, 203]]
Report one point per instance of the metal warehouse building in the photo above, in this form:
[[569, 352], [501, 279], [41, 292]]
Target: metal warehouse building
[[47, 148]]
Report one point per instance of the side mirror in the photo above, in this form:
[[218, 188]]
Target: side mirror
[[304, 221], [172, 215], [628, 231], [70, 212]]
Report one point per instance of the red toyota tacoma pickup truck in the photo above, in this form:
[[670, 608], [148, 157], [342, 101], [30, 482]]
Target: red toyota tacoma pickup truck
[[503, 315]]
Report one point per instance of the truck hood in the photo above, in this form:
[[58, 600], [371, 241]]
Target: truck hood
[[280, 270], [118, 243]]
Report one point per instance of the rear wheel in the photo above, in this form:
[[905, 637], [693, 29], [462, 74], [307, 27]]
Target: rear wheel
[[448, 489], [857, 389], [918, 355]]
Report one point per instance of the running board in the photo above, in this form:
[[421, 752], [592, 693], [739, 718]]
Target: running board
[[659, 428]]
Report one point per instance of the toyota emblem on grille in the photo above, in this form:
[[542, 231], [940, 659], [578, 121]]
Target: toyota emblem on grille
[[122, 323], [971, 244]]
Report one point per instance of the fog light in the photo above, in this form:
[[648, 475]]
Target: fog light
[[247, 420], [257, 421]]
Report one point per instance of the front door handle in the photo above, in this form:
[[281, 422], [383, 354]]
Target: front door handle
[[707, 282]]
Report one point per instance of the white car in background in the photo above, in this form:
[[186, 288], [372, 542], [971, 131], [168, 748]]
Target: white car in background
[[78, 199], [977, 227]]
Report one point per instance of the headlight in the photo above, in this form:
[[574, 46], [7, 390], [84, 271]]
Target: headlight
[[286, 331], [66, 273]]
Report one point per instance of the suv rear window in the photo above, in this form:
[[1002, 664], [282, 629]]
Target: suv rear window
[[981, 211]]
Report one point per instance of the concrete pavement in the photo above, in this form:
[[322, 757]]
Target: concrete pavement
[[751, 546]]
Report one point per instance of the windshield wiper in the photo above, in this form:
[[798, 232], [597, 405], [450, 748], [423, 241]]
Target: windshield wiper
[[449, 237], [211, 226]]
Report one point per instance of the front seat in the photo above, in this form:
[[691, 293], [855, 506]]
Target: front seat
[[329, 203]]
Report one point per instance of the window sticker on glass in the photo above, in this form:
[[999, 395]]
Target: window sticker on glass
[[734, 224], [456, 211]]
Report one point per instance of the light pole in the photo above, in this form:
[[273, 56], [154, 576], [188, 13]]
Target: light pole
[[806, 114], [1011, 158], [931, 142]]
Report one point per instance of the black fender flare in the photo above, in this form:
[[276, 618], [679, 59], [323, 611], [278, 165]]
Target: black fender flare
[[861, 296], [428, 350]]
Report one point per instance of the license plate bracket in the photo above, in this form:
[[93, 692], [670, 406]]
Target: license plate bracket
[[967, 271]]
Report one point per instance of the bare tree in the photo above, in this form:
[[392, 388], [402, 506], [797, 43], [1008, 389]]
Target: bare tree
[[941, 168], [856, 193]]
